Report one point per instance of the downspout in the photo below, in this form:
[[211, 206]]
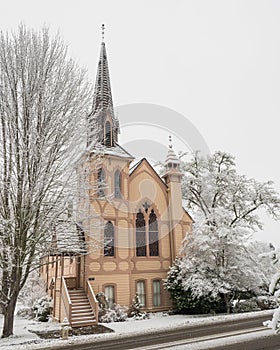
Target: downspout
[[55, 278], [48, 272]]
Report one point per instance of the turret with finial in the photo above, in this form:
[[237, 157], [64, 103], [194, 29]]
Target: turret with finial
[[172, 162]]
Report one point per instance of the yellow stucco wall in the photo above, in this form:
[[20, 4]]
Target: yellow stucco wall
[[124, 269]]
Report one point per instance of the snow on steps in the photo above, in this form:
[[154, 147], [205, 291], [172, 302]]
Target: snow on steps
[[82, 313]]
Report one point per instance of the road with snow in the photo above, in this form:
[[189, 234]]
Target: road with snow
[[242, 334]]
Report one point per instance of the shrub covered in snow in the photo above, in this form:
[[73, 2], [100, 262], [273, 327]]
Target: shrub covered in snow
[[42, 308], [136, 311], [26, 312], [266, 302], [185, 301], [121, 313], [246, 306], [116, 313]]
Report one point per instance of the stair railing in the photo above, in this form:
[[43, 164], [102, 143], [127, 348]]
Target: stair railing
[[92, 300], [66, 300]]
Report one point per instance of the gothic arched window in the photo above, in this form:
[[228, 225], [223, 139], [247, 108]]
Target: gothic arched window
[[153, 234], [140, 235], [101, 182], [109, 239], [118, 184], [108, 134]]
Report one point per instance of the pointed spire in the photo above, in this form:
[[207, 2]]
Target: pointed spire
[[102, 101]]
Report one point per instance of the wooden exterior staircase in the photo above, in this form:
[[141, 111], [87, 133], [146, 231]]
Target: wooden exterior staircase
[[82, 313], [81, 306]]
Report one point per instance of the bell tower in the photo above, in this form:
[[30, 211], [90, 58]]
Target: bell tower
[[108, 162], [172, 177]]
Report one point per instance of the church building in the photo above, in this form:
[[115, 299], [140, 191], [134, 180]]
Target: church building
[[129, 225]]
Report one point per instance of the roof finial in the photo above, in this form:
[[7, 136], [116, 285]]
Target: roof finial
[[170, 141], [103, 31]]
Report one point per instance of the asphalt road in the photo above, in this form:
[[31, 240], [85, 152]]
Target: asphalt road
[[188, 335]]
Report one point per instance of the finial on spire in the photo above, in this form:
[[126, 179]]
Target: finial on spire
[[103, 31], [170, 141]]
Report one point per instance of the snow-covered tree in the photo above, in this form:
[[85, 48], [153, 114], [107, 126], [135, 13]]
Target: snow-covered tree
[[274, 289], [33, 289], [136, 309], [44, 99], [218, 259]]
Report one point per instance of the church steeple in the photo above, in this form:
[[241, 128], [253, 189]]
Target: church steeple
[[103, 126]]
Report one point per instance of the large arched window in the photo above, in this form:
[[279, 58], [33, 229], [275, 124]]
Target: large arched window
[[153, 234], [140, 235], [118, 182], [109, 239], [147, 232], [108, 134], [101, 182]]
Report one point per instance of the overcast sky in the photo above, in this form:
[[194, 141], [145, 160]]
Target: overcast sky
[[215, 62]]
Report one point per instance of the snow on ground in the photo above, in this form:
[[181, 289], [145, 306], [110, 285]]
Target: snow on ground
[[25, 340]]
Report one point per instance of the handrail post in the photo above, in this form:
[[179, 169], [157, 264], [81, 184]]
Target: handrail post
[[66, 300], [92, 299]]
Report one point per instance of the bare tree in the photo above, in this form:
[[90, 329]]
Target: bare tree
[[44, 98]]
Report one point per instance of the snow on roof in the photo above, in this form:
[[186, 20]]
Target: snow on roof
[[117, 150], [68, 238]]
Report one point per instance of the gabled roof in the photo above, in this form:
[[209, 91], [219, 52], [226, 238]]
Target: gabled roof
[[117, 150], [137, 165]]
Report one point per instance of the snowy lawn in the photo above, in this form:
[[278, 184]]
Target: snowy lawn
[[23, 339]]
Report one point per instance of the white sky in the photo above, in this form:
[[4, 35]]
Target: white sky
[[216, 62]]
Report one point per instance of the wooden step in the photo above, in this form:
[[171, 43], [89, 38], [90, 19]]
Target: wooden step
[[75, 300], [81, 311], [77, 311], [77, 294], [85, 315], [80, 304]]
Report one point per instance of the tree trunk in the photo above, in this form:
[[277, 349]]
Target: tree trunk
[[9, 319], [227, 303]]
